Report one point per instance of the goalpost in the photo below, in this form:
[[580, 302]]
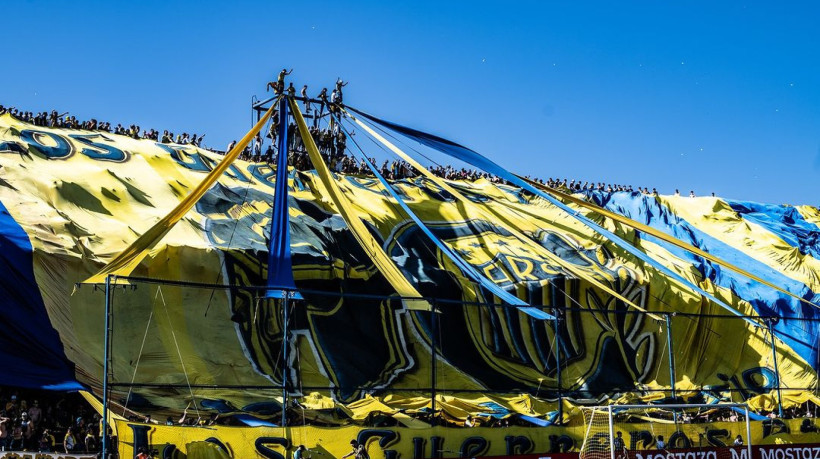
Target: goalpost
[[656, 431]]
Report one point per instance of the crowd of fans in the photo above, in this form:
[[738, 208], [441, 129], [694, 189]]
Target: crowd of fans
[[66, 121], [332, 145], [331, 142], [47, 422], [577, 186]]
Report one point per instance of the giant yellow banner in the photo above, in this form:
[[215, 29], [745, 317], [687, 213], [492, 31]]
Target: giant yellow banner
[[71, 200]]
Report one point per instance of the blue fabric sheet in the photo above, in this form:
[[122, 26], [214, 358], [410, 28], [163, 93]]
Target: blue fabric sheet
[[253, 421], [539, 422], [752, 416], [784, 221], [33, 355], [471, 157], [280, 267]]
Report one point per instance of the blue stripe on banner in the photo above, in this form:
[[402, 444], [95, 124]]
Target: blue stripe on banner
[[465, 267], [784, 221], [800, 335], [476, 160], [34, 354]]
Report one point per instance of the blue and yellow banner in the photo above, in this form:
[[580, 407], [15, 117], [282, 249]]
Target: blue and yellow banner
[[71, 201]]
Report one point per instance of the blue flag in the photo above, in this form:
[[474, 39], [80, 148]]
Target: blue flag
[[280, 267]]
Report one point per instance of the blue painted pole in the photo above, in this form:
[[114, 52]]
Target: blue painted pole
[[434, 361], [557, 315], [285, 305]]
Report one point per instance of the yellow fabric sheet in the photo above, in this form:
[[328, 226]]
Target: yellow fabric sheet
[[77, 210], [790, 398], [124, 263], [205, 450], [723, 223], [98, 406]]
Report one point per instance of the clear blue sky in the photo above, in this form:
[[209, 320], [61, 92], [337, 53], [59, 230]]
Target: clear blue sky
[[688, 95]]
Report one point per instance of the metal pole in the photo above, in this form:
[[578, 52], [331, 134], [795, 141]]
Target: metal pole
[[106, 346], [285, 305], [672, 376], [776, 371], [434, 361], [611, 433], [556, 313], [748, 432]]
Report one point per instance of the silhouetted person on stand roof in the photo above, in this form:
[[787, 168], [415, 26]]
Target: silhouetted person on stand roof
[[280, 80], [291, 90], [340, 84], [322, 103], [335, 99], [307, 99], [257, 148]]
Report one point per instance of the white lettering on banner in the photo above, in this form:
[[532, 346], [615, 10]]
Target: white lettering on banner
[[789, 452], [686, 455], [779, 452]]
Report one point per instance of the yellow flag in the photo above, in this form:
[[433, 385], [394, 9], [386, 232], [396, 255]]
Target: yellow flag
[[383, 262]]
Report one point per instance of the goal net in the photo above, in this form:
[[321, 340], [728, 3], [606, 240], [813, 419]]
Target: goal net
[[656, 431]]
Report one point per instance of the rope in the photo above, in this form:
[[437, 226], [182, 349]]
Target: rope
[[139, 356], [256, 310], [181, 360]]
